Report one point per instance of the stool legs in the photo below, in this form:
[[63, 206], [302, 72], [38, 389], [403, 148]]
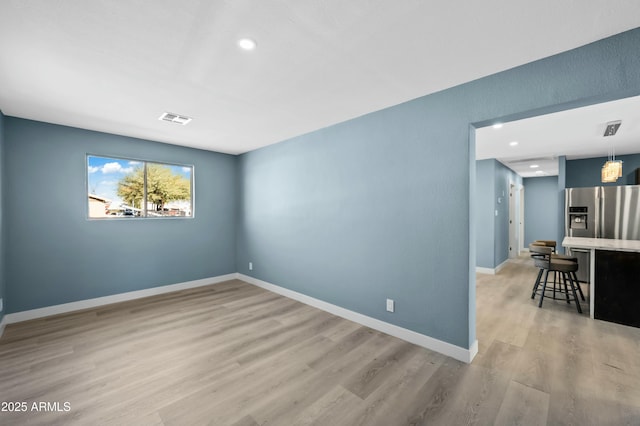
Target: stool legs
[[544, 288], [566, 289], [564, 276], [537, 283], [575, 296], [575, 278]]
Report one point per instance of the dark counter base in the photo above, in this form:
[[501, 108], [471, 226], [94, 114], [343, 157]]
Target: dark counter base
[[617, 295]]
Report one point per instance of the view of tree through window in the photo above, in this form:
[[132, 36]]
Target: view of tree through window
[[128, 188]]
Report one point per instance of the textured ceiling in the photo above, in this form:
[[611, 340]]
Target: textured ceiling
[[116, 66], [576, 133]]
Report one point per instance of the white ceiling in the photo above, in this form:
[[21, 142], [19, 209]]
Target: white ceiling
[[576, 133], [116, 66]]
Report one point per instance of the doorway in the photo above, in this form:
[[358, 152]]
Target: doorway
[[514, 215]]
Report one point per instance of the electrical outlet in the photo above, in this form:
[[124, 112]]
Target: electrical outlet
[[390, 305], [1, 305], [251, 266]]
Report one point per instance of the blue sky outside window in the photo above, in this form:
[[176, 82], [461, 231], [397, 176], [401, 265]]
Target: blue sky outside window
[[117, 187]]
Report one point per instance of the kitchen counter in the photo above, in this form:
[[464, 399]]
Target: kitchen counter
[[601, 244], [614, 283]]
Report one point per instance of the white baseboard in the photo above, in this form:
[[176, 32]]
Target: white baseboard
[[453, 351], [502, 265], [491, 271], [107, 300]]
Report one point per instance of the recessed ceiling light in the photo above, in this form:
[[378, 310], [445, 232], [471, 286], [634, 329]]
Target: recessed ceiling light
[[539, 172], [247, 44], [514, 143], [497, 125], [534, 166]]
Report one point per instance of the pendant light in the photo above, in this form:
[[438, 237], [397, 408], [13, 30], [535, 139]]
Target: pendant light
[[612, 168]]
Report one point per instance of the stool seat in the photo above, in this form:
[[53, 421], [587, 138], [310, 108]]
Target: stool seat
[[561, 265], [546, 243], [564, 257]]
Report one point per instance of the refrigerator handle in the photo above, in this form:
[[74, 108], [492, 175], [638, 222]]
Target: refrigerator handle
[[598, 204]]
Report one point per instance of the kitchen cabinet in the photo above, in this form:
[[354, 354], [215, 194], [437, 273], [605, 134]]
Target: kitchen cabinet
[[614, 285], [617, 298]]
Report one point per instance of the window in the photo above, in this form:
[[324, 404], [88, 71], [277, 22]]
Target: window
[[124, 188]]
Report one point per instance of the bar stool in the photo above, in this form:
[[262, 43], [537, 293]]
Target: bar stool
[[554, 255], [546, 243], [542, 256]]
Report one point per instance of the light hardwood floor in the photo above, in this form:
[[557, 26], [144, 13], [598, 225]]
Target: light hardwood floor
[[234, 354]]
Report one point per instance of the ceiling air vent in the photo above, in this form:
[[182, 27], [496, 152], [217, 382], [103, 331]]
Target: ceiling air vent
[[175, 118], [612, 128]]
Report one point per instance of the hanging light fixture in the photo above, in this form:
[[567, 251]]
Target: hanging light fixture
[[612, 168], [611, 171]]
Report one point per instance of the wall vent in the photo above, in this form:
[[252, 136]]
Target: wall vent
[[175, 118]]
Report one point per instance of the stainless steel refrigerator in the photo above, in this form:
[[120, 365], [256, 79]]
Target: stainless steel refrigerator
[[601, 212]]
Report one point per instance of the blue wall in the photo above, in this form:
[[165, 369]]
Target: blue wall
[[586, 173], [485, 216], [493, 180], [2, 227], [504, 177], [55, 255], [541, 207], [379, 206]]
